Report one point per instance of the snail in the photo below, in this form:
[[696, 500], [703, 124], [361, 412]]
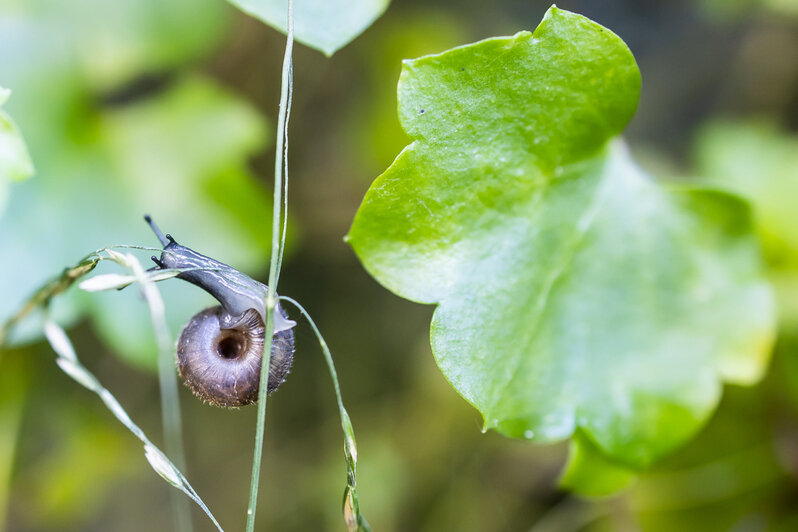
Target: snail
[[219, 351]]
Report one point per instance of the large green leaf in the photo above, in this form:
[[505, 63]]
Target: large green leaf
[[326, 25], [15, 163], [572, 291]]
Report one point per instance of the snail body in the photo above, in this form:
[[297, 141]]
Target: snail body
[[220, 350]]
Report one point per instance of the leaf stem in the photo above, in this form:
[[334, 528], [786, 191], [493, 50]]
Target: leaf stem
[[281, 154]]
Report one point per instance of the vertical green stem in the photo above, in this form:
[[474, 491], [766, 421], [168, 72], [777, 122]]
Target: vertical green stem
[[285, 170], [271, 300]]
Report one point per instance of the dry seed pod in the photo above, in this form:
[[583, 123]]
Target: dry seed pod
[[219, 351]]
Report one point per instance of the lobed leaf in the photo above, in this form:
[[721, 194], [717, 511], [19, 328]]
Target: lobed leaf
[[572, 292]]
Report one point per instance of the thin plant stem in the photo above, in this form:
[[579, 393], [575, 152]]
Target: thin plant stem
[[271, 301], [170, 400], [355, 521], [49, 290], [132, 246], [285, 170]]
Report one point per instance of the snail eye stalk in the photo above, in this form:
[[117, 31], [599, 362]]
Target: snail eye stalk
[[161, 238]]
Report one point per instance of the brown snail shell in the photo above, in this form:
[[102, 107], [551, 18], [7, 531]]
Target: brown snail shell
[[222, 365]]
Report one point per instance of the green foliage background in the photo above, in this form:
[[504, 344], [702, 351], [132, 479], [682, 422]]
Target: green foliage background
[[165, 107]]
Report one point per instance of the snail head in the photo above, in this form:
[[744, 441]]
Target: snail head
[[235, 291]]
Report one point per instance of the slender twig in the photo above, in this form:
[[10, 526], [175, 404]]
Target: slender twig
[[352, 516], [271, 300]]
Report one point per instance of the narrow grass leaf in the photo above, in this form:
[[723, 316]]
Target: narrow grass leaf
[[162, 466], [58, 339]]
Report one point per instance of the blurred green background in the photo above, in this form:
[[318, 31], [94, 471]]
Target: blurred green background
[[168, 107]]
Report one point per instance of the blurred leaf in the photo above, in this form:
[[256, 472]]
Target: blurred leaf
[[153, 156], [730, 477], [572, 291], [760, 163], [15, 163], [589, 472], [177, 149], [111, 43], [326, 25]]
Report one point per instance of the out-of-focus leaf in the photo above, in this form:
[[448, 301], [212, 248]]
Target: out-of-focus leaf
[[177, 151], [572, 291], [110, 43], [760, 163], [155, 156], [15, 163], [589, 472], [729, 477], [326, 25]]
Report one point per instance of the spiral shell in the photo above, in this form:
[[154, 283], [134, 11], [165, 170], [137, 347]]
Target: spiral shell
[[221, 365]]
